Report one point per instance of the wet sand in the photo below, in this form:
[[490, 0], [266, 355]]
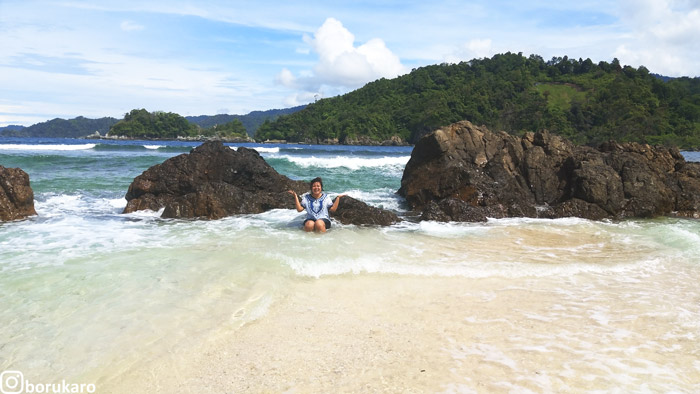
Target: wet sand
[[387, 333]]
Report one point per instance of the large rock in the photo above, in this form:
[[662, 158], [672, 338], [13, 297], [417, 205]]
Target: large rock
[[468, 173], [16, 195], [353, 211], [214, 181]]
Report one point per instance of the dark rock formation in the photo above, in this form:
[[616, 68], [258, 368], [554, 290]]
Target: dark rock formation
[[16, 195], [352, 211], [468, 173], [214, 181]]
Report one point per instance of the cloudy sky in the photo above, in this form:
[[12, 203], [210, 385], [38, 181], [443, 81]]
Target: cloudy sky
[[67, 58]]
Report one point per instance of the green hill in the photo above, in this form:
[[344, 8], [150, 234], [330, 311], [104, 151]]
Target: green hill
[[141, 124], [586, 102], [62, 128], [10, 129]]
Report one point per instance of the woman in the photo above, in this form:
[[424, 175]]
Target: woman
[[317, 205]]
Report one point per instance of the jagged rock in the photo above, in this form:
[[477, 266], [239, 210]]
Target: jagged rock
[[214, 181], [16, 195], [467, 173], [353, 211]]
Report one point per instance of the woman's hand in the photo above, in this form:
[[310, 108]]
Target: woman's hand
[[335, 203], [296, 200]]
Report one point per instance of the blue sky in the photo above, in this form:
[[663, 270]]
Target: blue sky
[[69, 58]]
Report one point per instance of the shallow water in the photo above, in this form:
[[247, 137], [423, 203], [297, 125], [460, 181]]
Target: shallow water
[[91, 295]]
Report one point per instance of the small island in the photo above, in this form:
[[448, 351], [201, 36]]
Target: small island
[[143, 125]]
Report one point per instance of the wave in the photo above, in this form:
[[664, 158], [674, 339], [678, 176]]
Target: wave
[[59, 205], [142, 148], [55, 147], [260, 149], [385, 198], [349, 162]]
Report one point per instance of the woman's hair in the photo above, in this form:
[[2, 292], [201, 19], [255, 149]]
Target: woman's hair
[[317, 179]]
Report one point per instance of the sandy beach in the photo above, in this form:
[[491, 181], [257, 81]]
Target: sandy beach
[[382, 333]]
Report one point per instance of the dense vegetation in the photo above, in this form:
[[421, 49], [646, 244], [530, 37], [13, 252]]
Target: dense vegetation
[[140, 123], [583, 101], [10, 128], [62, 128]]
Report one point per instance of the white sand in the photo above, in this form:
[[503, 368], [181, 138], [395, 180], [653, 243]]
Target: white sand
[[379, 333]]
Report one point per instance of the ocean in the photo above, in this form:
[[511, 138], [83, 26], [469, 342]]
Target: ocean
[[134, 303]]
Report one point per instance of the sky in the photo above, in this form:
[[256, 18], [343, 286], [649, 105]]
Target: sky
[[69, 58]]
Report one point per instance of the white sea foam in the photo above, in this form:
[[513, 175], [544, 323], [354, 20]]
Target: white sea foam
[[146, 214], [537, 249], [350, 162], [57, 205], [58, 147], [117, 203], [153, 146], [384, 198], [436, 264], [260, 149], [445, 230]]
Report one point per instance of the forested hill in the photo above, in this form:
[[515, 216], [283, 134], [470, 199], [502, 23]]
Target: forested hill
[[62, 128], [586, 102]]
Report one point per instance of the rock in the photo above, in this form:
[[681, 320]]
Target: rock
[[353, 211], [16, 195], [467, 173], [214, 181]]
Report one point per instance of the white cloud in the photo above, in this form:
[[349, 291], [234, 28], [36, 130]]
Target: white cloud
[[340, 63], [475, 48], [301, 98], [666, 36], [131, 26], [286, 78]]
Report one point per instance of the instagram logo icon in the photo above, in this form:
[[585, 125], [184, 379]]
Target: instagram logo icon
[[11, 382]]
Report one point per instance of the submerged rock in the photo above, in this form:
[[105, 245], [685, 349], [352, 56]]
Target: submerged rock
[[467, 173], [16, 195], [214, 181]]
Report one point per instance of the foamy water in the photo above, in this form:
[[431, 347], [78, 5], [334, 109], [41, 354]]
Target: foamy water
[[135, 303], [47, 147]]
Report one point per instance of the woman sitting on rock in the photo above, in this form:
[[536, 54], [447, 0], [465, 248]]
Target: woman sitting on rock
[[317, 204]]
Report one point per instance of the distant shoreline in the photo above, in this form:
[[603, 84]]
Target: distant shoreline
[[240, 140], [191, 139]]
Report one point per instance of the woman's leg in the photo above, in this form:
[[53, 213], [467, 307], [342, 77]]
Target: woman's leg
[[320, 226], [309, 225]]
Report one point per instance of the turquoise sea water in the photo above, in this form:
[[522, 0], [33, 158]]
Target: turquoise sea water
[[86, 290]]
